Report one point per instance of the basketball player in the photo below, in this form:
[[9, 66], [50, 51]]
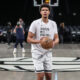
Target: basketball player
[[42, 58]]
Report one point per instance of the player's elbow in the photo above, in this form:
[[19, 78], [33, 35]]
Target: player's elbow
[[58, 40], [28, 40]]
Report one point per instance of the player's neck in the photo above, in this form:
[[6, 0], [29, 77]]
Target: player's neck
[[45, 20]]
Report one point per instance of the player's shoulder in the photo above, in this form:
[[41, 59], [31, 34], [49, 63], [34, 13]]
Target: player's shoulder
[[52, 21], [37, 21]]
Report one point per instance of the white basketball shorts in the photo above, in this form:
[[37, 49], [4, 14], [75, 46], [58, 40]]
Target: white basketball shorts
[[42, 62]]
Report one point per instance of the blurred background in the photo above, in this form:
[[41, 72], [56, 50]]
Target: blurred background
[[67, 12], [10, 10]]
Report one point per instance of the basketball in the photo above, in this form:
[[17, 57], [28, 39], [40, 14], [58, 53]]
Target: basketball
[[46, 43]]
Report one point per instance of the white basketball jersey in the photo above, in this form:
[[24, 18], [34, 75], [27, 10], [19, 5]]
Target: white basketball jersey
[[40, 29]]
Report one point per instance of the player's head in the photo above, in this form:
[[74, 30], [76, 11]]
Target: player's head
[[44, 5], [44, 10]]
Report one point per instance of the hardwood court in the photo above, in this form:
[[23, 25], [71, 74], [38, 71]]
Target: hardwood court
[[62, 50]]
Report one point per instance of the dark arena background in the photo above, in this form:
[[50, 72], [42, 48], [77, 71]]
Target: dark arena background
[[67, 11], [66, 55]]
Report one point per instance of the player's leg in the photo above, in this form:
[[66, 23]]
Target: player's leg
[[48, 76], [48, 66], [38, 64], [40, 76]]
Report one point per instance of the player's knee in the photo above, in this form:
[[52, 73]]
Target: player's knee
[[40, 76], [48, 76]]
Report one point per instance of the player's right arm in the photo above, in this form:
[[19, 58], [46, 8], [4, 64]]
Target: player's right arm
[[30, 38], [32, 34]]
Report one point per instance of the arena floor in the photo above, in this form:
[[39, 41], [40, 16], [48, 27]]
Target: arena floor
[[61, 50]]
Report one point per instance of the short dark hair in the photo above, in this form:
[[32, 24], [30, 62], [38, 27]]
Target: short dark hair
[[44, 5]]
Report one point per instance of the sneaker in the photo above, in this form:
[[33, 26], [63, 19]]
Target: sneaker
[[14, 52]]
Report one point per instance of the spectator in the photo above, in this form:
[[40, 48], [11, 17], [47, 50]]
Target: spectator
[[9, 31], [19, 38], [21, 22], [62, 30]]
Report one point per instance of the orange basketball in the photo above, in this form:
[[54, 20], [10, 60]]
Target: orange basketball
[[46, 43]]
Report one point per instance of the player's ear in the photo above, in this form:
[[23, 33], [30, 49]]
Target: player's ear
[[49, 12]]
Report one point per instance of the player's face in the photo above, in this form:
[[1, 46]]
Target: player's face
[[45, 12]]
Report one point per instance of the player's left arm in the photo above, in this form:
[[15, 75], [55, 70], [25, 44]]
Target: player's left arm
[[56, 37]]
